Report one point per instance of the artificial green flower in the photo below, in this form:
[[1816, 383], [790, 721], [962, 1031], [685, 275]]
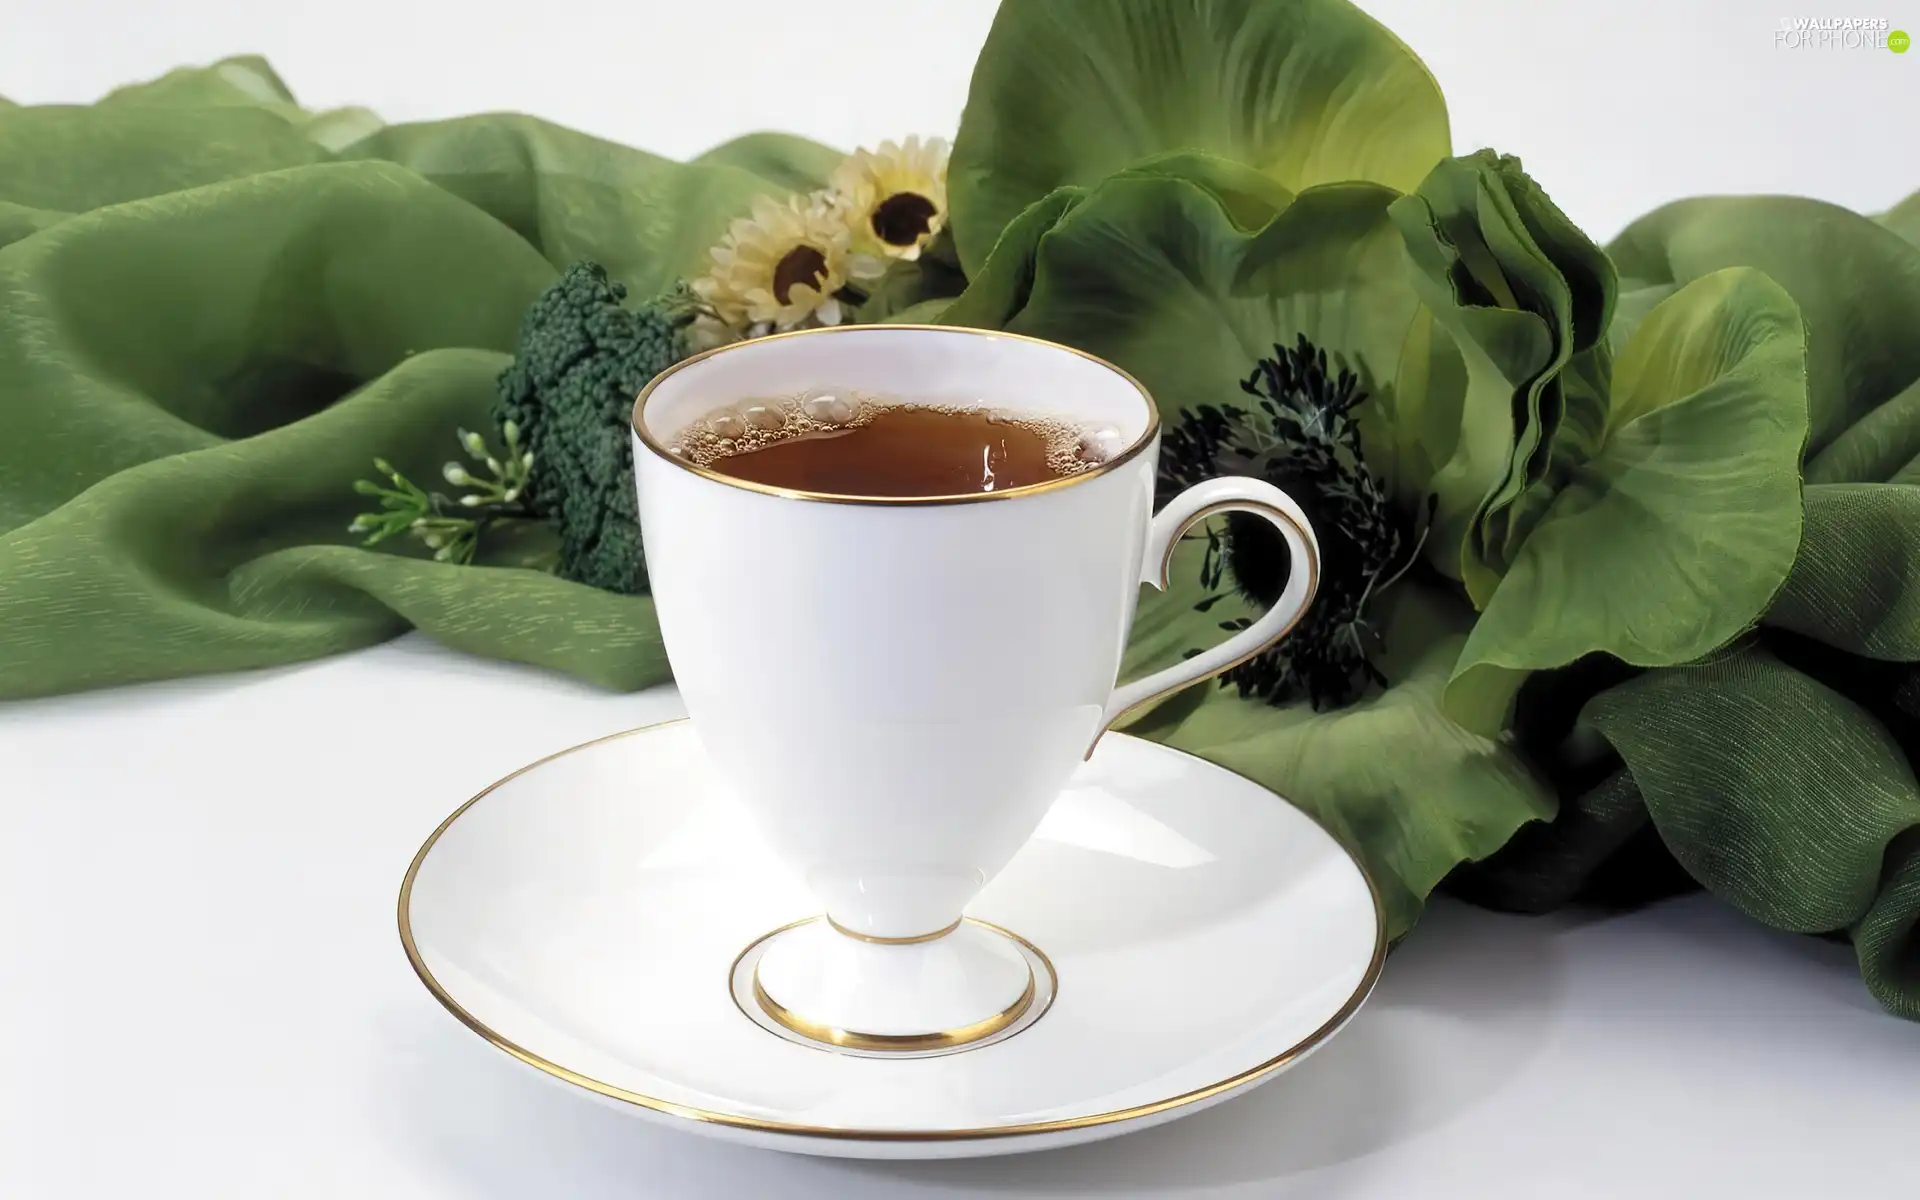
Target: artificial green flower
[[1639, 501]]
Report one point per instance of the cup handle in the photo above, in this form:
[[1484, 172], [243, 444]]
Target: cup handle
[[1189, 508]]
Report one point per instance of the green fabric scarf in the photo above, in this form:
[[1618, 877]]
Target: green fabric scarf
[[212, 323]]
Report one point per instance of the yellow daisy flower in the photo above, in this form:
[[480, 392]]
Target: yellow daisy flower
[[895, 197], [780, 268]]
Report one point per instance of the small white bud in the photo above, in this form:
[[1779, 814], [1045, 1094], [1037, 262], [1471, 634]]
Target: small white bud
[[526, 460], [470, 502], [418, 523], [493, 464], [510, 431], [433, 540], [475, 444], [455, 473], [443, 554], [512, 495]]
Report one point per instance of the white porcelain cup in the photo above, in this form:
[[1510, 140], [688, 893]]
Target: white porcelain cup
[[898, 688]]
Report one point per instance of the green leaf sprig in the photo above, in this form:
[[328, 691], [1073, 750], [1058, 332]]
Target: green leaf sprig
[[451, 527]]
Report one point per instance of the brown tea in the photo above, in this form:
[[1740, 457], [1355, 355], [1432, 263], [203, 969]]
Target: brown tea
[[889, 449]]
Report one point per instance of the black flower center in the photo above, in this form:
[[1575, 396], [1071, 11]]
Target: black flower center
[[1300, 435], [802, 265], [901, 218]]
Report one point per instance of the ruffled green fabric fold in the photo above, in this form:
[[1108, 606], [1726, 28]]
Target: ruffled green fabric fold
[[216, 311]]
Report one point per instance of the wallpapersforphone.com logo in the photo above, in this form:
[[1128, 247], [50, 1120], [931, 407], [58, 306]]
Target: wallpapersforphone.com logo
[[1840, 33]]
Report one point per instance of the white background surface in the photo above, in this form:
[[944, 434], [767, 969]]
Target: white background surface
[[1614, 105], [204, 997], [201, 991]]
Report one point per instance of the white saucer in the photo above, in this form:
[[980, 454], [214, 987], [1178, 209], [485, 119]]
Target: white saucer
[[588, 914]]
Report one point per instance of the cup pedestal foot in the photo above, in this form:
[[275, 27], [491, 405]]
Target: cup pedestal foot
[[965, 987]]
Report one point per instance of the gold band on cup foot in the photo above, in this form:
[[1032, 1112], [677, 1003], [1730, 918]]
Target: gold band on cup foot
[[915, 940], [894, 1043], [769, 1014]]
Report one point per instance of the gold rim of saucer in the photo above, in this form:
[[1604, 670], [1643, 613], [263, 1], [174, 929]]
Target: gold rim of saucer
[[689, 1112], [1146, 438]]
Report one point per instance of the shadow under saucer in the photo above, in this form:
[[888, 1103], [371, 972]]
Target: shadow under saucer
[[1460, 1009]]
